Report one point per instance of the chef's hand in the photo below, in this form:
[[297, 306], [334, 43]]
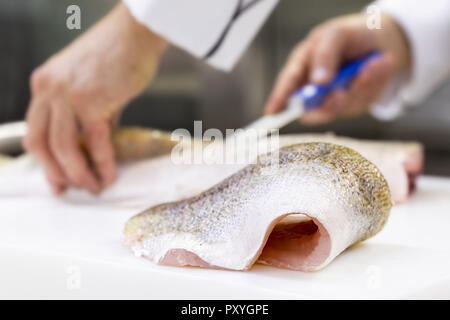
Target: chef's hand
[[317, 58], [77, 96]]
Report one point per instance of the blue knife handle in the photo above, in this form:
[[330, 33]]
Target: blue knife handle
[[314, 95]]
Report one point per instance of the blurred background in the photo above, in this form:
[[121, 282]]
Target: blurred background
[[187, 89]]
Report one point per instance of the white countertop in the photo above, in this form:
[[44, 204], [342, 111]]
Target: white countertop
[[61, 253]]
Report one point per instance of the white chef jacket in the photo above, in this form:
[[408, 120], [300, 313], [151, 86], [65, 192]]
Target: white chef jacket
[[427, 27], [219, 31]]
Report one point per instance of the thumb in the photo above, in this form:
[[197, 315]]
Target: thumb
[[326, 56]]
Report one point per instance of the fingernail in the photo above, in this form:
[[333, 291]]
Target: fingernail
[[319, 74], [268, 111], [107, 182], [58, 190], [55, 190], [95, 191], [270, 106]]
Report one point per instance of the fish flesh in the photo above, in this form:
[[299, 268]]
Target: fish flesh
[[297, 208]]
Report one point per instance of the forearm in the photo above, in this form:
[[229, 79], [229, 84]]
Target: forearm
[[146, 40]]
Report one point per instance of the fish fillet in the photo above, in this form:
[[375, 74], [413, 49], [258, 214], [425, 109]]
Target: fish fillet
[[400, 162], [296, 209]]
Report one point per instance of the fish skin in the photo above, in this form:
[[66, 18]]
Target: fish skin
[[400, 162], [134, 143], [227, 225]]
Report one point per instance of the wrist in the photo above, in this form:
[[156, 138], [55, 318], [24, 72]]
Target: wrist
[[142, 47], [393, 39], [148, 41]]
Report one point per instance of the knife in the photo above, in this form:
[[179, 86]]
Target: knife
[[310, 96]]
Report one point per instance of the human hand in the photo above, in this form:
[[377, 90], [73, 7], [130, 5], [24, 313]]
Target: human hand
[[77, 96], [317, 59]]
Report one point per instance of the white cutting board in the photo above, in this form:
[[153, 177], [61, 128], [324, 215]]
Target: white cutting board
[[60, 253]]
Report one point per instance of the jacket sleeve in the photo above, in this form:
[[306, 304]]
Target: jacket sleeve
[[217, 31], [427, 27]]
